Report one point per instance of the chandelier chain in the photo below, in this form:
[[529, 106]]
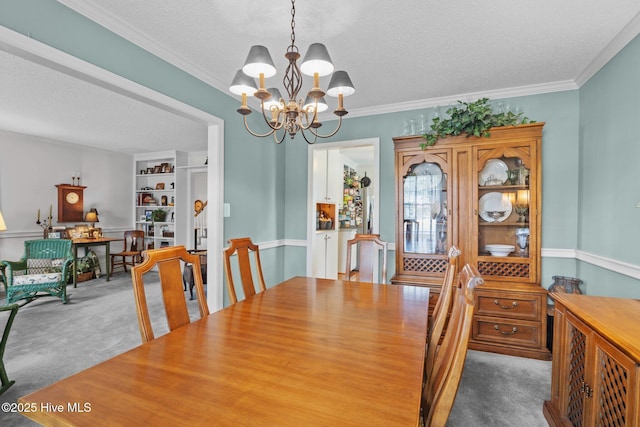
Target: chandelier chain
[[293, 26]]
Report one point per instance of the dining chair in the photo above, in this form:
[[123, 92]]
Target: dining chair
[[133, 247], [442, 385], [368, 247], [442, 309], [169, 262], [242, 248], [5, 383]]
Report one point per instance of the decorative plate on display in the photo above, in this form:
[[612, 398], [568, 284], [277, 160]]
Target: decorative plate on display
[[493, 207], [495, 172], [430, 169]]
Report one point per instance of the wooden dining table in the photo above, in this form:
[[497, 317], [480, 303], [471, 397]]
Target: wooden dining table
[[307, 352]]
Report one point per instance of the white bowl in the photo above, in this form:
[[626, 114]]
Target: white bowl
[[500, 250]]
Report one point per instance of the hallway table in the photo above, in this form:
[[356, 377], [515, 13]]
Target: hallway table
[[307, 352]]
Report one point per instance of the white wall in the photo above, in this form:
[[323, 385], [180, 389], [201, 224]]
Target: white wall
[[30, 167]]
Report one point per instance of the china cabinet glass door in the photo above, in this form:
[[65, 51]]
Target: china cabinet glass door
[[505, 192], [425, 209]]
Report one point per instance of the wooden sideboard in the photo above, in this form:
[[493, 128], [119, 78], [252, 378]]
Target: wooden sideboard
[[596, 362]]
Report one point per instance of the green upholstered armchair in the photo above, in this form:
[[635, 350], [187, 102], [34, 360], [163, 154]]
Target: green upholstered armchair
[[44, 269], [5, 383]]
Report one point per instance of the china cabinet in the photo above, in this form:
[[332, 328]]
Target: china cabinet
[[595, 379], [482, 195], [160, 197]]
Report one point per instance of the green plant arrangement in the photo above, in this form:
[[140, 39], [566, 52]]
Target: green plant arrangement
[[472, 118], [158, 215]]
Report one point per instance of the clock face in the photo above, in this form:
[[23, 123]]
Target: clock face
[[72, 198]]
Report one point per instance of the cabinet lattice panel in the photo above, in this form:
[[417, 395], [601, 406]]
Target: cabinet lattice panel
[[425, 265], [503, 269], [577, 344], [612, 396]]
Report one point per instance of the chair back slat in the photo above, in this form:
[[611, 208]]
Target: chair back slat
[[173, 298], [135, 238], [169, 261], [368, 247], [243, 247], [442, 309]]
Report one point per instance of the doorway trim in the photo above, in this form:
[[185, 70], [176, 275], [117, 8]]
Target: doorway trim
[[47, 56], [367, 142]]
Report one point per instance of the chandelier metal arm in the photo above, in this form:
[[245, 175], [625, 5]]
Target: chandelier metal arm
[[330, 134], [304, 135], [259, 135], [278, 124], [277, 139]]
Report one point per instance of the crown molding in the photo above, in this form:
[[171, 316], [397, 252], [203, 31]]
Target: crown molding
[[117, 26], [628, 33], [505, 93], [110, 22]]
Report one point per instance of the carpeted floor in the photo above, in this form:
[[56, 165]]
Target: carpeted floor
[[501, 391], [50, 341]]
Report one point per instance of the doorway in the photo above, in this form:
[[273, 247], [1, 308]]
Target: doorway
[[356, 210]]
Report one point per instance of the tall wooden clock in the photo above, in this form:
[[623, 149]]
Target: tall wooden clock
[[70, 203]]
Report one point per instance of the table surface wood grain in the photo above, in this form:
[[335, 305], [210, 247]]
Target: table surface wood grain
[[305, 352]]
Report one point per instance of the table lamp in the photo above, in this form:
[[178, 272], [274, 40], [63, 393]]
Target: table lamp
[[3, 226], [92, 217]]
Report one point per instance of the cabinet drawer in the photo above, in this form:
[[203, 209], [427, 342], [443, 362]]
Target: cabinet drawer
[[513, 305], [515, 332]]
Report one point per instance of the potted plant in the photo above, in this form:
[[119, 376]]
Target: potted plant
[[472, 119], [158, 215], [84, 268]]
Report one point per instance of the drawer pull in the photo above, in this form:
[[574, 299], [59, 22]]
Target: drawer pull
[[506, 307], [511, 332]]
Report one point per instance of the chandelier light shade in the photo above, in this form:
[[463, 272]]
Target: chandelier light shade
[[292, 114], [317, 60], [319, 104], [259, 62], [242, 84]]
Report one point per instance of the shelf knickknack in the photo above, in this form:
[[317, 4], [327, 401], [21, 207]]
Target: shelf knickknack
[[158, 215], [472, 118]]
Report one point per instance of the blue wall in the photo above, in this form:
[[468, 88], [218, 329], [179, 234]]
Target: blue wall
[[609, 222]]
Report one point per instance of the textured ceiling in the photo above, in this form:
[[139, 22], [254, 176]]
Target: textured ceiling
[[400, 55], [39, 101]]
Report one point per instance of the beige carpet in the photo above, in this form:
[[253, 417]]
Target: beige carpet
[[50, 341]]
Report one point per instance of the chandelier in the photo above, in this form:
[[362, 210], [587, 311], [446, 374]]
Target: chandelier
[[293, 115]]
